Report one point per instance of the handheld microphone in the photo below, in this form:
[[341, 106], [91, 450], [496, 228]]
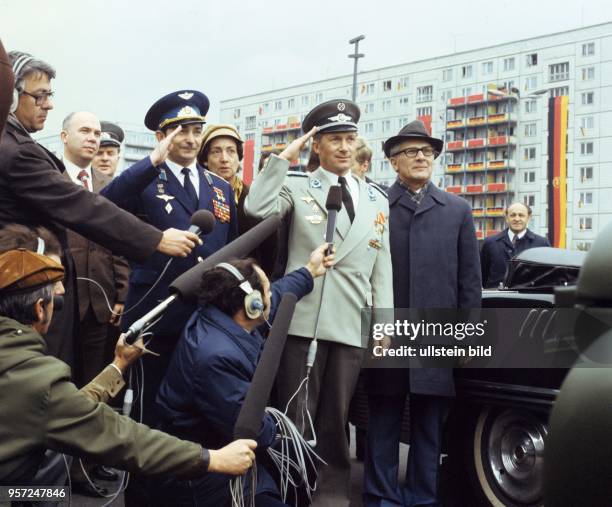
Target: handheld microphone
[[202, 222], [186, 286], [251, 414], [333, 204]]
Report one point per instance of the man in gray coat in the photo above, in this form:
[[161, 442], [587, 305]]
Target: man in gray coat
[[361, 278], [435, 265]]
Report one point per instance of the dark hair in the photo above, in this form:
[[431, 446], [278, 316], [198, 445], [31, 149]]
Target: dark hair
[[14, 236], [20, 306], [221, 288], [265, 156], [313, 162], [205, 149]]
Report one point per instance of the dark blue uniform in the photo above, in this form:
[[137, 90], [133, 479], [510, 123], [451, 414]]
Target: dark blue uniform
[[206, 383]]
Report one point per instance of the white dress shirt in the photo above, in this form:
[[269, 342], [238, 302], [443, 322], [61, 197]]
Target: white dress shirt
[[74, 170], [519, 235], [351, 181], [193, 174]]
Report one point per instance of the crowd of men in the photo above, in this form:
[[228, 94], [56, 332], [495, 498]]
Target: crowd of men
[[123, 238]]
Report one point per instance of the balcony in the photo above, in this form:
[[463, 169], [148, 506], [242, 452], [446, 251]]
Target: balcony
[[475, 121], [479, 98], [501, 118], [455, 145], [474, 144], [478, 234], [501, 140], [493, 232], [280, 146], [494, 165], [266, 148], [476, 166], [495, 212], [294, 125], [474, 189], [454, 168], [478, 212], [455, 124], [454, 189], [496, 187]]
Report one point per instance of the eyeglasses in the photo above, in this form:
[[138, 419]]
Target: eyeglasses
[[39, 98], [413, 152]]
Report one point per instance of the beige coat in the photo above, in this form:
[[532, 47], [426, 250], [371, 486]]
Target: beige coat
[[362, 276]]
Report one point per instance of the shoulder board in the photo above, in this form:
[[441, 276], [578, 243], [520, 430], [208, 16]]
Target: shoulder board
[[298, 174], [210, 176], [374, 185]]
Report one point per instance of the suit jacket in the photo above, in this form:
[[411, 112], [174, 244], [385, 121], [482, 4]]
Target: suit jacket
[[435, 265], [498, 250], [46, 411], [34, 192], [6, 87], [98, 263], [159, 198], [362, 275]]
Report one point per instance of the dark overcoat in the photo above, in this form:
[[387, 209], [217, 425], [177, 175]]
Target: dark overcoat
[[34, 192], [498, 250], [435, 259], [156, 196]]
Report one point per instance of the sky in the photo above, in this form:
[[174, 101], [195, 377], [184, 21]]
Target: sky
[[116, 57]]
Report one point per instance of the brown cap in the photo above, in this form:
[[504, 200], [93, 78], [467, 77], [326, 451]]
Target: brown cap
[[23, 270], [220, 130]]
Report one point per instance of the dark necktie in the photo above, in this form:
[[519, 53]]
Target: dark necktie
[[347, 200], [83, 177], [189, 188], [514, 241]]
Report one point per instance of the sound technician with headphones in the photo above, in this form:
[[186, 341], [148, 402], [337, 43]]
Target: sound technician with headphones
[[214, 363], [34, 192]]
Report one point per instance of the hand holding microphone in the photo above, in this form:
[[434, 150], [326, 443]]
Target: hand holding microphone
[[320, 260], [177, 243]]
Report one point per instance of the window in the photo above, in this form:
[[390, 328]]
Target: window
[[466, 91], [586, 223], [277, 121], [403, 83], [266, 107], [487, 68], [531, 83], [586, 199], [447, 95], [466, 71], [588, 98], [586, 173], [236, 113], [447, 75], [509, 63], [588, 49], [586, 148], [369, 107], [386, 105], [290, 103], [250, 122], [558, 72], [423, 111], [387, 85], [587, 122], [584, 246], [319, 98], [402, 121], [532, 60], [305, 100], [529, 177], [531, 130], [424, 93], [588, 73], [559, 91], [278, 105], [249, 137], [529, 153], [386, 125], [368, 127], [531, 106], [529, 200], [508, 85], [367, 89], [403, 102]]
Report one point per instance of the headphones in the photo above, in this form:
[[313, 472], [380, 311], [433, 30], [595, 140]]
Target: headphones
[[253, 302], [18, 66]]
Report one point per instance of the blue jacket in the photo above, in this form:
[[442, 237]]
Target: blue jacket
[[498, 250], [211, 371], [157, 197]]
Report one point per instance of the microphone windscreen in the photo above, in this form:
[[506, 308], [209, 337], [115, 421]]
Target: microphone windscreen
[[186, 285], [252, 412], [204, 220], [334, 198]]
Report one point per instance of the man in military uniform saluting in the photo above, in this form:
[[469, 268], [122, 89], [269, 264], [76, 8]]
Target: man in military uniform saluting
[[361, 278]]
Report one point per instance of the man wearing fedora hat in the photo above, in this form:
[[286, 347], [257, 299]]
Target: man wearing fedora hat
[[435, 259], [107, 159], [360, 279]]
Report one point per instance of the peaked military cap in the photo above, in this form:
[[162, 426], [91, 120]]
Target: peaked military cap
[[336, 115], [414, 130], [178, 108], [22, 270], [112, 134]]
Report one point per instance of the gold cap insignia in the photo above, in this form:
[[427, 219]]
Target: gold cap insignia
[[340, 117], [185, 95], [186, 111]]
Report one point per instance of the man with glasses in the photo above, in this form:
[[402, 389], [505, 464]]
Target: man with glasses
[[34, 192], [435, 259]]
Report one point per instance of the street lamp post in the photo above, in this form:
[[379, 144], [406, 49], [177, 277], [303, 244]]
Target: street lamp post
[[356, 56]]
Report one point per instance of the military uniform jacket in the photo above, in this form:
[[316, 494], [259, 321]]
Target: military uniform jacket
[[42, 409], [362, 276], [155, 195], [98, 263]]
